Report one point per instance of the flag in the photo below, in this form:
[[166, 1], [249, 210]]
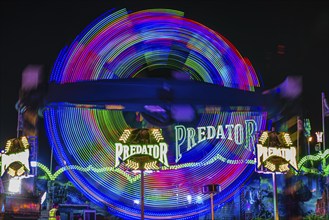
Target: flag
[[299, 124], [307, 127], [325, 113], [325, 107]]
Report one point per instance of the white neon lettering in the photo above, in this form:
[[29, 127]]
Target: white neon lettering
[[163, 154], [220, 132], [125, 152], [144, 150], [151, 152], [234, 132], [132, 149], [201, 134], [238, 134], [138, 149], [180, 134], [263, 153], [118, 152], [190, 138], [211, 132], [251, 128], [158, 152], [229, 131]]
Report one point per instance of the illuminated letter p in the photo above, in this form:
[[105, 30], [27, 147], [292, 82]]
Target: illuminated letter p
[[118, 152], [180, 136]]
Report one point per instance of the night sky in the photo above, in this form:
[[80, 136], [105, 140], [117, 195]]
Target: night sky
[[279, 38]]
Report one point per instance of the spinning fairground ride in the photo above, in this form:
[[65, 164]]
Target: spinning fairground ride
[[154, 69]]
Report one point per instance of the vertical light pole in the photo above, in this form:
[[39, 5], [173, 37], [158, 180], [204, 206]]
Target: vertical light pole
[[142, 194], [324, 104], [50, 182], [308, 144], [212, 206], [51, 159], [267, 146], [211, 189], [275, 197], [142, 161]]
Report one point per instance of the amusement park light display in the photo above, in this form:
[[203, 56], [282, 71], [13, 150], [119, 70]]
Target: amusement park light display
[[16, 157], [275, 152], [145, 153], [125, 45]]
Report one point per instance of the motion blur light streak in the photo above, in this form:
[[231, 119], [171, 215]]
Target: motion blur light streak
[[153, 38], [123, 45]]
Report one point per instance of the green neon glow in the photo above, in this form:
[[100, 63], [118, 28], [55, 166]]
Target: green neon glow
[[318, 157], [137, 177], [85, 169], [212, 160]]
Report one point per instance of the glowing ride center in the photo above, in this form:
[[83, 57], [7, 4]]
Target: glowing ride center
[[105, 82]]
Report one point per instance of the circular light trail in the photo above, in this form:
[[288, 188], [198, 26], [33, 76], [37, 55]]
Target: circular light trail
[[122, 45]]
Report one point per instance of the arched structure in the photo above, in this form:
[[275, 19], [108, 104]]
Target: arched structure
[[124, 45]]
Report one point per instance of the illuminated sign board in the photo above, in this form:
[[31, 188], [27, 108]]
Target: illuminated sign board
[[242, 135], [275, 153], [158, 152], [140, 148], [16, 157]]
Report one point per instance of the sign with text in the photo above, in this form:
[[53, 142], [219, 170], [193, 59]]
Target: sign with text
[[15, 159], [141, 148], [240, 134], [275, 153]]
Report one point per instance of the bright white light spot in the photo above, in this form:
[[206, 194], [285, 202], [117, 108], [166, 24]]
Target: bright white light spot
[[136, 201], [33, 163], [189, 199], [199, 200], [14, 185], [43, 197]]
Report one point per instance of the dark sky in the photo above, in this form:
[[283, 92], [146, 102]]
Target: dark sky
[[279, 38]]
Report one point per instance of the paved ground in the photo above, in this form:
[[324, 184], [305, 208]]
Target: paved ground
[[44, 215]]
